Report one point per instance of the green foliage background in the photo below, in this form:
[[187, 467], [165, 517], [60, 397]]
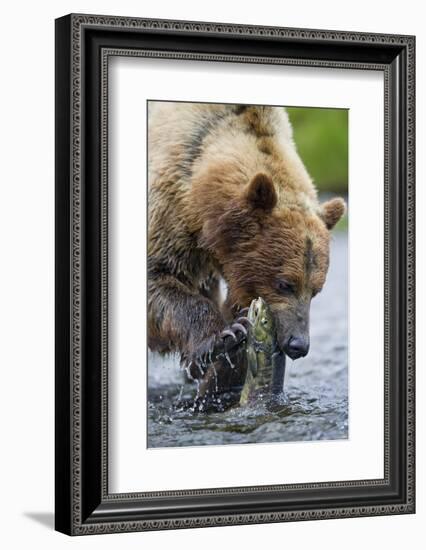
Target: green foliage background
[[321, 137]]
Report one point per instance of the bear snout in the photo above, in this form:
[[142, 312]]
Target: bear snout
[[292, 326], [296, 347]]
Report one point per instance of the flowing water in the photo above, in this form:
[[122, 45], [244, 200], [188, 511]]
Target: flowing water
[[315, 401]]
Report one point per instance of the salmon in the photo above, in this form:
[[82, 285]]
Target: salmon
[[265, 361]]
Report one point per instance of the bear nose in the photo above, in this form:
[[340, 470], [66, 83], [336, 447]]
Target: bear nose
[[297, 347]]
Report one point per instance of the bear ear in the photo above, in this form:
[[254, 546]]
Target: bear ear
[[261, 193], [332, 211]]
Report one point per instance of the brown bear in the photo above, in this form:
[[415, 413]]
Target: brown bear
[[230, 199]]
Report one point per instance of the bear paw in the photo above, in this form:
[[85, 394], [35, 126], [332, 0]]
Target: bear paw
[[223, 344], [236, 331], [220, 346]]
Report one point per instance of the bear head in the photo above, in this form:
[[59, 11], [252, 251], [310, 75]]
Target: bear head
[[277, 251]]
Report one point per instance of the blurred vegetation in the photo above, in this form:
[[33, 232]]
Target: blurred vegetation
[[321, 137]]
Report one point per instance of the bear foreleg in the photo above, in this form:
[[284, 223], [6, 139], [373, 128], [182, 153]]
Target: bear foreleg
[[183, 320]]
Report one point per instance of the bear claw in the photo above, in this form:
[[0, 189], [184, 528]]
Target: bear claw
[[228, 332], [240, 327], [243, 320]]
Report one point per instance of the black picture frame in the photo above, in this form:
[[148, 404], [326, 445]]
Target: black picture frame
[[83, 45]]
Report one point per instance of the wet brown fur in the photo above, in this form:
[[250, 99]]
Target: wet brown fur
[[229, 198]]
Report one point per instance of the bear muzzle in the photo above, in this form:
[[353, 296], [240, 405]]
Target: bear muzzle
[[293, 329], [296, 347]]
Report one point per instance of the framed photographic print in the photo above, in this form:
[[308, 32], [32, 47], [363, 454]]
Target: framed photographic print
[[234, 274]]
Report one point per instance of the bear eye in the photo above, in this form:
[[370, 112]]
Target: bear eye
[[285, 287]]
